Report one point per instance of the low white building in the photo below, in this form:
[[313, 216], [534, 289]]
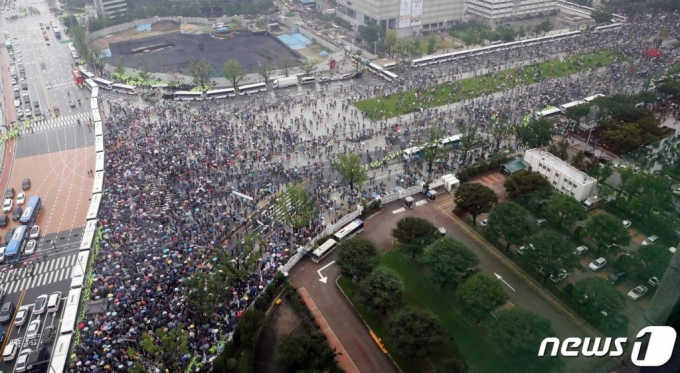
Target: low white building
[[561, 175], [508, 10], [111, 8]]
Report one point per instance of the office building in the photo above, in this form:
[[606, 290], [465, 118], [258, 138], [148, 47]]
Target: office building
[[561, 175], [408, 17], [111, 8], [508, 10]]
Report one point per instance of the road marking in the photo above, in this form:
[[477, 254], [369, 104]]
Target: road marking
[[398, 210], [505, 282], [324, 278], [421, 202]]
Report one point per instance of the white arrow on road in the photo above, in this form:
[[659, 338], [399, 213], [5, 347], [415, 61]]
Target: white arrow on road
[[501, 278], [324, 278]]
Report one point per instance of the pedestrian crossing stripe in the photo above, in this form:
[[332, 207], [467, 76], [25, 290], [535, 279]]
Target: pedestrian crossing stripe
[[53, 123], [47, 272]]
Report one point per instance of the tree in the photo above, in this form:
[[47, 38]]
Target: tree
[[432, 43], [417, 47], [625, 138], [233, 72], [468, 138], [474, 198], [417, 332], [204, 293], [650, 261], [246, 332], [286, 64], [120, 69], [306, 353], [601, 15], [536, 133], [564, 210], [480, 295], [200, 71], [595, 295], [449, 261], [606, 230], [579, 161], [144, 74], [550, 253], [653, 194], [524, 182], [560, 150], [499, 130], [452, 366], [517, 333], [431, 150], [357, 257], [545, 26], [382, 289], [265, 69], [349, 167], [308, 66], [390, 40], [410, 228], [296, 206], [625, 175], [511, 222], [78, 36], [166, 345], [369, 33]]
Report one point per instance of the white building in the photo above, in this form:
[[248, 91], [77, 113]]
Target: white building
[[561, 175], [111, 8], [408, 17], [507, 10]]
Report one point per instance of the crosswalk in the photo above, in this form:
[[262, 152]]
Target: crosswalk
[[45, 272], [58, 122]]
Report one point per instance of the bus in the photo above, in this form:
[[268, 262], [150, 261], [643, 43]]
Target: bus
[[350, 230], [220, 93], [88, 75], [564, 107], [103, 83], [16, 244], [187, 96], [252, 88], [79, 270], [78, 77], [60, 353], [123, 88], [412, 153], [89, 83], [308, 80], [548, 113], [95, 92], [31, 211], [389, 65], [323, 250], [389, 76], [593, 97], [454, 140]]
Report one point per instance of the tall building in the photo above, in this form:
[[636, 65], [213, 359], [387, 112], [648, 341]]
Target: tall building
[[507, 10], [408, 17], [111, 8], [561, 175]]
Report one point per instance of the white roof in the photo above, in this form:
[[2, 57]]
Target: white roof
[[561, 166]]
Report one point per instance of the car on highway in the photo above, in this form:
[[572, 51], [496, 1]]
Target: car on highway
[[29, 249], [33, 329], [9, 192], [28, 112], [26, 184], [40, 305], [16, 214], [6, 312], [637, 292], [580, 251], [23, 314], [597, 264], [37, 112], [627, 223], [10, 352], [72, 103], [20, 365], [53, 302], [35, 232], [8, 205], [484, 223], [21, 198], [4, 220], [324, 80]]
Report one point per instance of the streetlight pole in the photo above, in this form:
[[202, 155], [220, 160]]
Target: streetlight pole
[[375, 48]]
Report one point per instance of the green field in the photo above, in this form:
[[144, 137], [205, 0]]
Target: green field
[[411, 101], [467, 341]]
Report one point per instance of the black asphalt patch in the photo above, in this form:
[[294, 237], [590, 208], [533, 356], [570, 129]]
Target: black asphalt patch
[[172, 52], [51, 141]]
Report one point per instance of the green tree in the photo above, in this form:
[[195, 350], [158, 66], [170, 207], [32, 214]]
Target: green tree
[[204, 293], [296, 206], [670, 89], [382, 289], [78, 36], [536, 133], [119, 68], [357, 258], [144, 74], [306, 353], [265, 69], [511, 222], [625, 175], [651, 260], [595, 295], [606, 230], [564, 210], [474, 198], [233, 72], [579, 161], [468, 139], [653, 194], [411, 228], [480, 295], [417, 47], [499, 130], [450, 261], [517, 333], [166, 345], [559, 150], [308, 66], [286, 64], [431, 151], [417, 332], [246, 332], [391, 40], [432, 43], [452, 366], [200, 71], [524, 182], [625, 138], [349, 167], [551, 253], [601, 15], [370, 33], [545, 26]]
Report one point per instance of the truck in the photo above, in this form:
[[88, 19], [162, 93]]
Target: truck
[[285, 81], [57, 33], [593, 202]]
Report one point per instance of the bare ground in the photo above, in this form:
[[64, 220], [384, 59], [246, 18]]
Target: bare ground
[[283, 321]]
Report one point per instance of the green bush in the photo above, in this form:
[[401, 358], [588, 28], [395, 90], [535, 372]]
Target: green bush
[[261, 304], [246, 364], [370, 208]]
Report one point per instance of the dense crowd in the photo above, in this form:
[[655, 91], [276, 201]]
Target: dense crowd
[[182, 183]]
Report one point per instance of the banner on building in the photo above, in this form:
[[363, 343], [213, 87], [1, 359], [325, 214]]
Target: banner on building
[[417, 13], [405, 13]]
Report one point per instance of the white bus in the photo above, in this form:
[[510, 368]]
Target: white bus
[[451, 140], [564, 107], [308, 80], [123, 88], [548, 113], [593, 97], [411, 153], [187, 96], [60, 353], [103, 83], [350, 230], [216, 94], [389, 76], [323, 250], [88, 74], [252, 88], [389, 65]]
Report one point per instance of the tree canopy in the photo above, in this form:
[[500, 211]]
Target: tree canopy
[[296, 207], [524, 182], [233, 72], [474, 198], [349, 167], [450, 261], [594, 295], [650, 261], [564, 210], [411, 228], [551, 253], [417, 332], [382, 289], [606, 230], [536, 133], [511, 222], [357, 258], [480, 295], [306, 352], [200, 71]]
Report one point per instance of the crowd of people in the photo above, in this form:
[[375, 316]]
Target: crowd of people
[[185, 185]]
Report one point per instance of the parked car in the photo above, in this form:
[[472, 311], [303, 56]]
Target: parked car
[[615, 278], [580, 251], [29, 249], [654, 281], [627, 223], [23, 314], [20, 365], [597, 264], [4, 220], [6, 312], [35, 232], [16, 214], [541, 222], [40, 304], [522, 249], [21, 198], [33, 329], [8, 205], [26, 184], [650, 240], [637, 292], [9, 192], [484, 223], [558, 275], [48, 334]]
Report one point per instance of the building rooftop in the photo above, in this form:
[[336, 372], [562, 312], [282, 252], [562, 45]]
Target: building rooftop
[[562, 166]]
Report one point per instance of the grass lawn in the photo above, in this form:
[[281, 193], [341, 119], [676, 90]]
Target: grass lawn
[[411, 101], [468, 341]]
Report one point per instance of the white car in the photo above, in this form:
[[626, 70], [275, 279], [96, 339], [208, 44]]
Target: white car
[[627, 223], [484, 223], [22, 316], [580, 250], [40, 305], [597, 264], [8, 205], [35, 231], [654, 281], [650, 240], [33, 329], [637, 292], [30, 247], [20, 365], [21, 198], [558, 275], [522, 249]]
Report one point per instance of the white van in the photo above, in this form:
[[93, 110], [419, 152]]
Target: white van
[[53, 301], [10, 352]]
